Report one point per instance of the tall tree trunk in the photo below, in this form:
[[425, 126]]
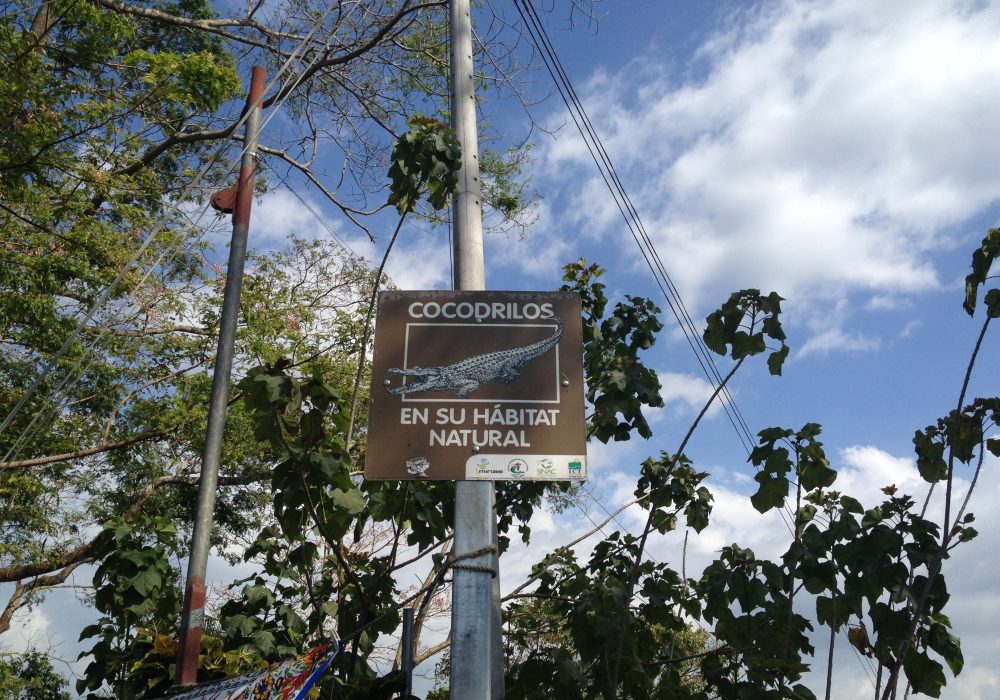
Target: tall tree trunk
[[45, 19]]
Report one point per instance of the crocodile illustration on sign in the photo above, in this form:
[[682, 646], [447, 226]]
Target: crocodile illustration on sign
[[465, 376]]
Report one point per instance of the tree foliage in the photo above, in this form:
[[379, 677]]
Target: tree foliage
[[122, 120], [30, 676]]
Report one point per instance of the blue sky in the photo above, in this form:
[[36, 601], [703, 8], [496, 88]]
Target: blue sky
[[837, 153], [841, 153]]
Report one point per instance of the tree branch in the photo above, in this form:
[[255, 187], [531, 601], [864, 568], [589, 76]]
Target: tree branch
[[79, 454], [357, 52], [304, 168], [86, 551], [20, 597], [213, 26], [159, 149], [431, 651], [80, 554], [144, 332]]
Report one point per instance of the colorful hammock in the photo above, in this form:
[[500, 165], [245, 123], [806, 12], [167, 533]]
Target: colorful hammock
[[288, 680]]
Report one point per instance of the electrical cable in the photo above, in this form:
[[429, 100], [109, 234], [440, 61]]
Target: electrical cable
[[573, 104], [632, 219], [316, 215], [702, 354]]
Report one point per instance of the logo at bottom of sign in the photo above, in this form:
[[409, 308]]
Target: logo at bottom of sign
[[526, 467]]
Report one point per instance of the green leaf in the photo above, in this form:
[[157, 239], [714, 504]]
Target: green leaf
[[146, 582], [699, 509], [258, 596], [427, 158], [816, 474], [770, 494], [992, 301], [275, 387], [851, 505], [715, 335], [947, 645], [993, 445], [774, 434], [982, 260], [925, 675], [776, 360], [801, 692], [967, 534], [930, 455], [829, 613], [90, 631], [352, 501]]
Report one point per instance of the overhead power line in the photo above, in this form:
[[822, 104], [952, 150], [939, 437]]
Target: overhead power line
[[595, 147], [613, 182]]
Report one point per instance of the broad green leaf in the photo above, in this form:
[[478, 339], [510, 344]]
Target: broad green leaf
[[851, 505], [829, 613], [770, 494], [352, 501], [982, 260], [924, 674], [816, 474], [776, 360], [146, 582], [947, 645]]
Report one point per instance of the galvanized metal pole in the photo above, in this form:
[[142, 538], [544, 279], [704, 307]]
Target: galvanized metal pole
[[408, 649], [194, 593], [474, 610]]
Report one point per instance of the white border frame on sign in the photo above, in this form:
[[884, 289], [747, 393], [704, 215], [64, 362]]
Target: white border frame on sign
[[439, 399]]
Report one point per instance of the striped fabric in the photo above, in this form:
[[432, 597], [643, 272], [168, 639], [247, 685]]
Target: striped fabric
[[289, 680]]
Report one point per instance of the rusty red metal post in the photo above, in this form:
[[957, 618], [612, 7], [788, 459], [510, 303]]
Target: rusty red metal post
[[194, 593]]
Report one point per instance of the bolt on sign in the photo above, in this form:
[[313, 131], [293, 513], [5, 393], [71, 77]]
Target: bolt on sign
[[477, 385]]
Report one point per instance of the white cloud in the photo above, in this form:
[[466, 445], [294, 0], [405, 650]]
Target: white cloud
[[538, 256], [420, 259], [824, 150], [866, 469], [835, 339], [910, 328], [686, 394], [277, 216], [826, 322], [886, 302]]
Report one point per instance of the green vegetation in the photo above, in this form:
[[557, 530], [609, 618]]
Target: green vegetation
[[117, 111]]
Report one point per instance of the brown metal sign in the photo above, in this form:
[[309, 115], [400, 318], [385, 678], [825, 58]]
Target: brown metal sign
[[477, 385]]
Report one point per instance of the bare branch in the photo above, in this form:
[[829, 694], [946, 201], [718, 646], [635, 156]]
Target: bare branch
[[86, 551], [431, 651], [144, 332], [97, 449], [22, 592], [358, 51]]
